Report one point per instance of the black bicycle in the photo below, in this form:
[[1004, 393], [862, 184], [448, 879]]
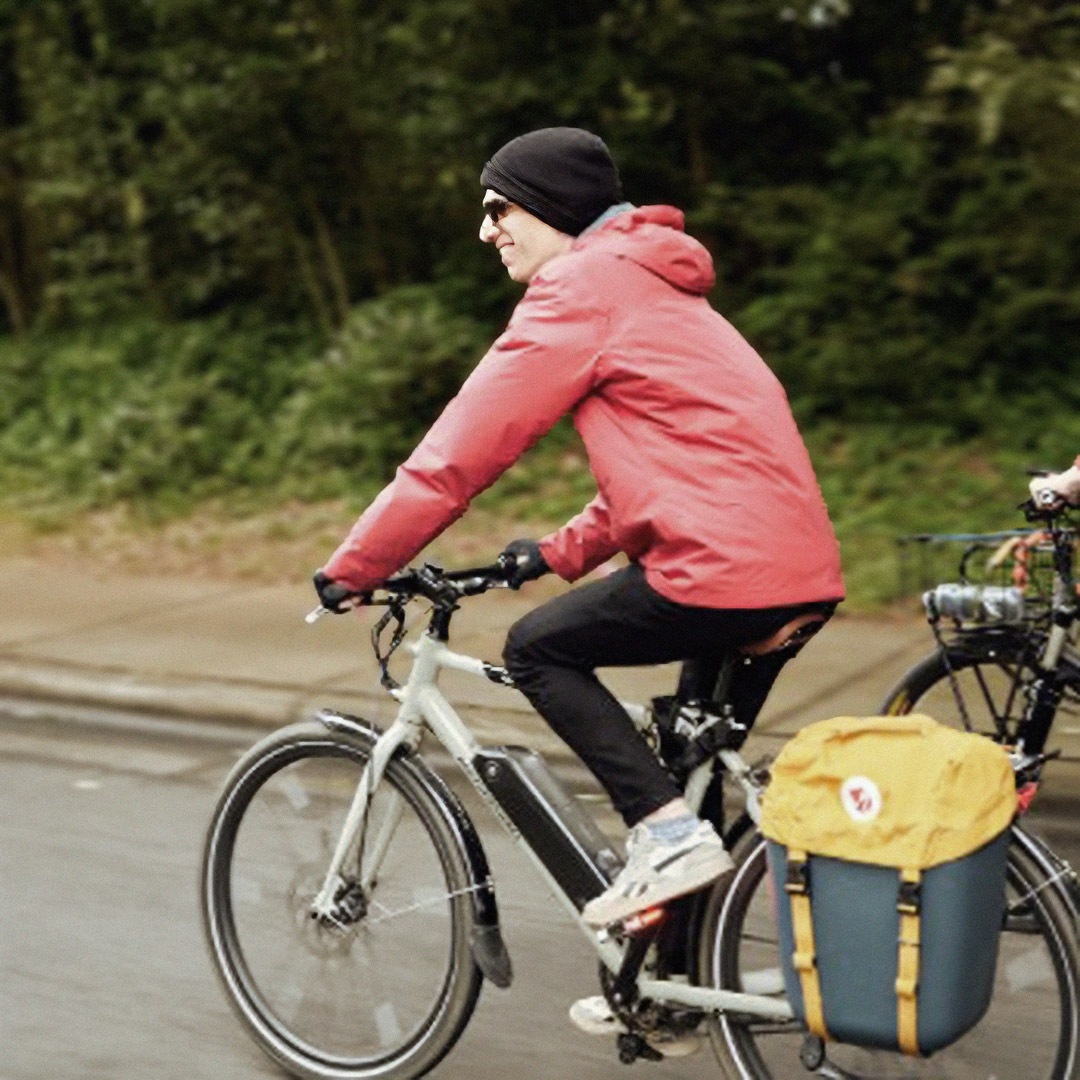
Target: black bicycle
[[1006, 663]]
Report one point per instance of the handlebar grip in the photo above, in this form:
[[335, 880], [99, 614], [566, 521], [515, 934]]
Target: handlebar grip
[[399, 583], [497, 570]]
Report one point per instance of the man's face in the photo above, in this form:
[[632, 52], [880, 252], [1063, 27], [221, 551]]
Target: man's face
[[524, 242]]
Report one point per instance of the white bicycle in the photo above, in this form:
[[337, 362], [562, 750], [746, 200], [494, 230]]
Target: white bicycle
[[352, 918]]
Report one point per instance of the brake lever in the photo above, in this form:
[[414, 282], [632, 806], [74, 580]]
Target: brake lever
[[477, 585]]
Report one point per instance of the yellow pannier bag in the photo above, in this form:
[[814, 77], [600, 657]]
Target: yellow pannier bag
[[888, 835]]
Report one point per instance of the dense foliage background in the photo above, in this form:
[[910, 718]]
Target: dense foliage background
[[238, 254]]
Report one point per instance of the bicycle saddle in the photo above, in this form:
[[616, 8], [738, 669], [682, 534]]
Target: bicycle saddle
[[794, 632]]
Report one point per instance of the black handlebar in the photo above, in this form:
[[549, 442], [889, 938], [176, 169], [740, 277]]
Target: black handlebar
[[1046, 509], [440, 586]]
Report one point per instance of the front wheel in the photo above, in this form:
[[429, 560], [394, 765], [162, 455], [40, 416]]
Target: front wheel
[[981, 683], [1030, 1031], [384, 988]]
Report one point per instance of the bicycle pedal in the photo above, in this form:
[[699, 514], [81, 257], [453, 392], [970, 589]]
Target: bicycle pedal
[[631, 1047]]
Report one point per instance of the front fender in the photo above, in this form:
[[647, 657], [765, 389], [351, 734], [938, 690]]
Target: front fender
[[489, 950]]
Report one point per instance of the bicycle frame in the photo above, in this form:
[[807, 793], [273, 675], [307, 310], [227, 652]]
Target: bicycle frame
[[1055, 665], [423, 706]]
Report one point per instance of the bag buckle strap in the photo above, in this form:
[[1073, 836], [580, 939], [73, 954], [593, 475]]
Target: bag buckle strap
[[797, 878], [909, 906], [909, 897]]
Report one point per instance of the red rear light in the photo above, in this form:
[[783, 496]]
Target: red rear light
[[1024, 795], [643, 920]]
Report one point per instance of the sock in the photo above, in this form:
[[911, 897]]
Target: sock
[[672, 830]]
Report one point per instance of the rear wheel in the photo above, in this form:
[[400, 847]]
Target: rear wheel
[[385, 987], [1030, 1031]]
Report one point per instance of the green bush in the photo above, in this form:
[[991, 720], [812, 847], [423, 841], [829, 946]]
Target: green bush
[[141, 411], [362, 405], [164, 414]]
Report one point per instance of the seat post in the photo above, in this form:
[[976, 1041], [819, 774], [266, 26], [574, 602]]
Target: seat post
[[706, 678]]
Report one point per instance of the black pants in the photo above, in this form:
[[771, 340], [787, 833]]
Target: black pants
[[620, 621]]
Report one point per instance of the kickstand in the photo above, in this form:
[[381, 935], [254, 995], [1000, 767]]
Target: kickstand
[[812, 1056]]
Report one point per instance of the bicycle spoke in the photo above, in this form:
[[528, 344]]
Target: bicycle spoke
[[431, 901], [757, 1027], [999, 720]]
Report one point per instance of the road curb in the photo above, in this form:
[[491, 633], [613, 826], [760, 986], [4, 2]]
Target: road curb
[[246, 703], [233, 701], [261, 707]]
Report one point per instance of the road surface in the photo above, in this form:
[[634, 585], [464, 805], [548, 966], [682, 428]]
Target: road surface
[[103, 971]]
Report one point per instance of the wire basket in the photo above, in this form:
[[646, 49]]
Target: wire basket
[[1017, 559]]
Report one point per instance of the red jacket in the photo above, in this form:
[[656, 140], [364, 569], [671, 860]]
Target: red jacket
[[702, 476]]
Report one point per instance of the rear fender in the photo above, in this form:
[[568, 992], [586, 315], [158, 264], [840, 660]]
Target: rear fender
[[1061, 875]]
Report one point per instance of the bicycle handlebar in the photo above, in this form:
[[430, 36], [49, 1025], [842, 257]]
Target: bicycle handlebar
[[1047, 506], [440, 586]]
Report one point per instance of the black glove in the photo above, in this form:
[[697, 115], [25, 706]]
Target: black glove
[[332, 594], [528, 563]]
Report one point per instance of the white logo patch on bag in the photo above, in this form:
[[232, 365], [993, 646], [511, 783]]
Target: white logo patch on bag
[[861, 798]]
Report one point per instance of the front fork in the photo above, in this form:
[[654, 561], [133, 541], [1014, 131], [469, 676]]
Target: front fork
[[324, 905]]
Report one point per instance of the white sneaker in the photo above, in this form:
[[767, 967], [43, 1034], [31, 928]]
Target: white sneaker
[[656, 872], [593, 1015]]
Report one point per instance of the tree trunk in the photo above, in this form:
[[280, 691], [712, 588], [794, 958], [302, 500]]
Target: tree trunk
[[697, 159], [17, 316], [334, 271], [319, 303]]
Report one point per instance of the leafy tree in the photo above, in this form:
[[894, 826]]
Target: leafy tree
[[201, 203], [935, 277]]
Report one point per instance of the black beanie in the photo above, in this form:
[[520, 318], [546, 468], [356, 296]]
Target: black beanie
[[564, 176]]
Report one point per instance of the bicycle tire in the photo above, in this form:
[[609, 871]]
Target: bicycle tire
[[990, 672], [1038, 961], [325, 1001]]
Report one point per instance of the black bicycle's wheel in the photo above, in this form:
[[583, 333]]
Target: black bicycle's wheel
[[386, 991], [987, 692], [1030, 1031]]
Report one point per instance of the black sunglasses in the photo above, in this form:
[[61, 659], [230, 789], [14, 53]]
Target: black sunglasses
[[496, 209]]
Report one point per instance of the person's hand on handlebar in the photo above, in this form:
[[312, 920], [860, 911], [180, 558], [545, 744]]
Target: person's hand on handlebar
[[336, 597], [526, 562], [1056, 489]]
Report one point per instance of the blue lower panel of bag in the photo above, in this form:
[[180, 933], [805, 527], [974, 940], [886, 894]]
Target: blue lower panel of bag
[[856, 932]]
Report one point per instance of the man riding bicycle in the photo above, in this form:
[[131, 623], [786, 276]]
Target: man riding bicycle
[[703, 483]]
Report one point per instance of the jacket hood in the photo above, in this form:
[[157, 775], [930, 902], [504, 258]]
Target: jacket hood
[[653, 237]]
